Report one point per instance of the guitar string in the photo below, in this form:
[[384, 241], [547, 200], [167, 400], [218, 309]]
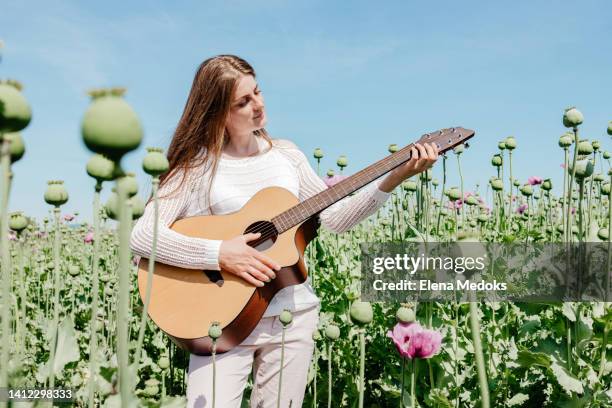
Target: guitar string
[[269, 231]]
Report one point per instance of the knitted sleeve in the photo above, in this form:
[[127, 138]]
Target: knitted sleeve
[[174, 248], [347, 212]]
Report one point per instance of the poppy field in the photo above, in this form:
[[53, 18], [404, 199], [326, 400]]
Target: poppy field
[[72, 316]]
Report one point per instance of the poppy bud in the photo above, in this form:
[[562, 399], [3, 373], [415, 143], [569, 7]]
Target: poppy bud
[[18, 222], [110, 125], [510, 143], [318, 153], [572, 117], [155, 163], [15, 114], [332, 332], [56, 193], [16, 147], [285, 317], [214, 331], [585, 147], [101, 168], [565, 141], [405, 315], [361, 312]]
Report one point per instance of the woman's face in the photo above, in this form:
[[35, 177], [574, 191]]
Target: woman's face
[[247, 112]]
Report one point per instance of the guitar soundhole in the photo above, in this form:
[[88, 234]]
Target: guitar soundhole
[[269, 234], [215, 277]]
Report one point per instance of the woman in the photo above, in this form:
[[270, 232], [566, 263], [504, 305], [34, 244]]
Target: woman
[[220, 156]]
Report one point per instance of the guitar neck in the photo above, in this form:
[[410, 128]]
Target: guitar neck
[[445, 139]]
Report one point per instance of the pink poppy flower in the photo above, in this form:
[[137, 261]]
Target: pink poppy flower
[[401, 334], [522, 208], [535, 180], [333, 180], [562, 165], [89, 237], [424, 344], [68, 217]]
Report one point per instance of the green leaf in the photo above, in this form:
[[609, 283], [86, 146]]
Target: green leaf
[[528, 358], [66, 350], [566, 380], [518, 399], [568, 311]]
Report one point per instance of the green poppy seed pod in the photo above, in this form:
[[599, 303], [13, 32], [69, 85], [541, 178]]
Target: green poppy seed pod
[[471, 200], [426, 175], [111, 208], [572, 117], [610, 128], [501, 145], [330, 173], [409, 185], [73, 270], [342, 161], [435, 182], [361, 312], [497, 160], [497, 184], [393, 148], [585, 147], [605, 189], [565, 141], [56, 193], [453, 193], [17, 148], [405, 205], [510, 143], [547, 185], [584, 168], [318, 153], [473, 223], [101, 168], [598, 177], [316, 335], [596, 145], [15, 114], [138, 207], [482, 218], [606, 155], [405, 315], [163, 362], [214, 331], [332, 332], [516, 183], [110, 125], [155, 162], [129, 184], [603, 234], [285, 317], [18, 222], [526, 190], [459, 149]]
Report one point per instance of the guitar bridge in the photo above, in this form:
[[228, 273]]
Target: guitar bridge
[[215, 277]]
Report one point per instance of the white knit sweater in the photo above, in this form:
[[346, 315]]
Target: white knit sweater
[[235, 182]]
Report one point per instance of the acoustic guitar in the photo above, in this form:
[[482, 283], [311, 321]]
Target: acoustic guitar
[[184, 302]]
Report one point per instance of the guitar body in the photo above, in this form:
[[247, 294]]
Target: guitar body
[[185, 302]]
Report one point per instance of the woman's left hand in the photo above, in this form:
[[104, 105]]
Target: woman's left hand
[[423, 157]]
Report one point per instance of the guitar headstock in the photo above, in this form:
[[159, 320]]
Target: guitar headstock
[[447, 139]]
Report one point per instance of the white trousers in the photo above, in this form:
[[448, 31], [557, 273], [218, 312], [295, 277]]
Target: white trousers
[[261, 353]]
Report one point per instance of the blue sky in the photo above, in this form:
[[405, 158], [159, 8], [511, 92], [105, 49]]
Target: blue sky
[[349, 77]]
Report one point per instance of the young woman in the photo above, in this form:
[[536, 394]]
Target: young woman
[[220, 156]]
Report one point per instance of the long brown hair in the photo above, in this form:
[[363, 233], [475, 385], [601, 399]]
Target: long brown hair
[[202, 125]]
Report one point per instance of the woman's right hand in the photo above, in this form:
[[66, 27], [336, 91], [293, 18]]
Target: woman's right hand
[[237, 257]]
